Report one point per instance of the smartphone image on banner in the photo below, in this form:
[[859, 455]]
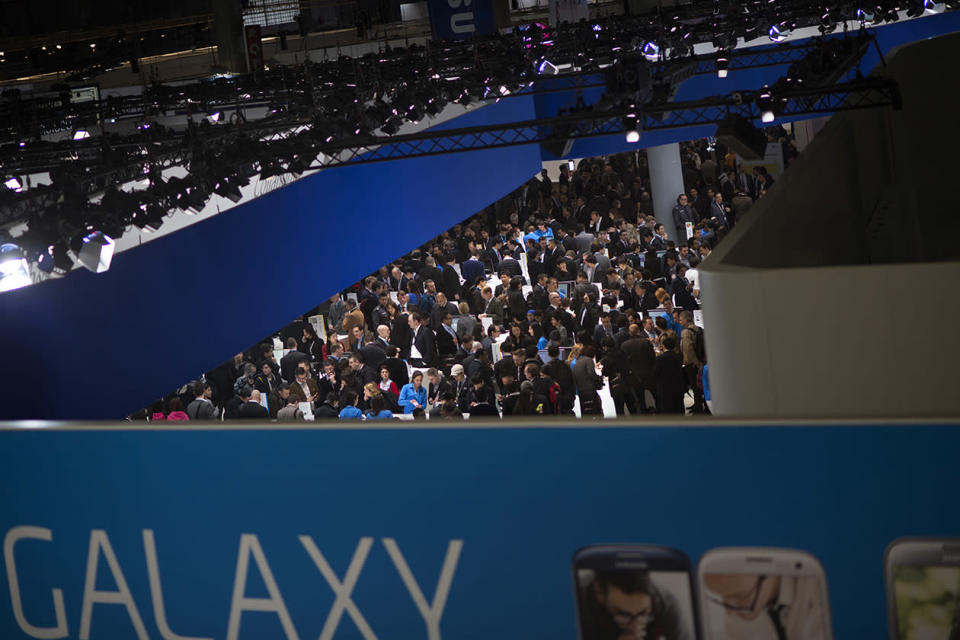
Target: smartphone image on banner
[[923, 588], [633, 592], [763, 594]]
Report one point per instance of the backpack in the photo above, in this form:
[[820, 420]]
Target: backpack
[[699, 348]]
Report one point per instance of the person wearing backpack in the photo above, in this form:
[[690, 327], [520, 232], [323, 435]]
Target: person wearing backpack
[[694, 357]]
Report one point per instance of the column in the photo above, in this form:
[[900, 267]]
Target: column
[[228, 34], [666, 184]]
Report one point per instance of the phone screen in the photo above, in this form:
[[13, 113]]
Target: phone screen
[[751, 606], [618, 604], [927, 602]]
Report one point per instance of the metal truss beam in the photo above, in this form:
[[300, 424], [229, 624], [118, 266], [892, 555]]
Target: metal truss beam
[[861, 94]]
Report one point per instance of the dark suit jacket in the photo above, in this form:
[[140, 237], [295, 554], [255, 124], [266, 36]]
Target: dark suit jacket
[[425, 342], [400, 335], [398, 371], [671, 382], [253, 411], [640, 360], [587, 380], [511, 266], [450, 282], [446, 345], [289, 362], [430, 273], [472, 269]]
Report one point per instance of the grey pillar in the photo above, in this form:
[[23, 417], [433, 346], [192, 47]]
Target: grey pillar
[[228, 34], [666, 184]]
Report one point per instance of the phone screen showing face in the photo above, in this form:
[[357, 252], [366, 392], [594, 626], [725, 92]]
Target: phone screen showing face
[[634, 604], [763, 594], [927, 602]]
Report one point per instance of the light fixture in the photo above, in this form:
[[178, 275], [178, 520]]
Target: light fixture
[[547, 68], [651, 51], [13, 184], [865, 15], [931, 6], [780, 32], [14, 272], [765, 105], [96, 253], [81, 134], [214, 117], [723, 66], [632, 128]]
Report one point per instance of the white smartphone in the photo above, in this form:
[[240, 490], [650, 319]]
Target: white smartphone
[[750, 593], [923, 588]]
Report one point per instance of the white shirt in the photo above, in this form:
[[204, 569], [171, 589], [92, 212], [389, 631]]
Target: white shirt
[[414, 352], [693, 277]]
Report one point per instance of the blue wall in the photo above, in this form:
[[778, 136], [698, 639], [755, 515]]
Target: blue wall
[[103, 346], [521, 500]]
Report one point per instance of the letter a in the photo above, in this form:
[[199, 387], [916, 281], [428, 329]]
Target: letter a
[[240, 603], [431, 613], [98, 542]]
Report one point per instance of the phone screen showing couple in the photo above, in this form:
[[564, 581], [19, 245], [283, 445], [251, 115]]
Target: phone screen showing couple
[[927, 600], [750, 606], [618, 604]]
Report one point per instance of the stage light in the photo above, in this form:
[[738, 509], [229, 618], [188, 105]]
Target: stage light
[[391, 126], [14, 272], [547, 68], [930, 6], [632, 128], [13, 184], [96, 253], [651, 51], [81, 134], [723, 67], [765, 105], [226, 188], [865, 15], [214, 117], [780, 32], [827, 24], [148, 217]]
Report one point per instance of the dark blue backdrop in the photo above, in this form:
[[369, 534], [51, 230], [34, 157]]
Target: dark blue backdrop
[[521, 500], [102, 346]]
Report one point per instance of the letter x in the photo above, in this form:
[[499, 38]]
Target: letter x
[[343, 590]]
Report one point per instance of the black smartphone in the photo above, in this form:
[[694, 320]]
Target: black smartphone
[[923, 588], [634, 592]]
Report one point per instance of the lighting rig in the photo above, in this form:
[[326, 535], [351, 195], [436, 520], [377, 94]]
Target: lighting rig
[[316, 115]]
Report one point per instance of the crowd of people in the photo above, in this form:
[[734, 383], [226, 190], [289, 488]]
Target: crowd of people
[[564, 289]]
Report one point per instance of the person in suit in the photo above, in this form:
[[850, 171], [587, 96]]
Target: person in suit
[[251, 409], [467, 324], [719, 210], [588, 382], [304, 388], [472, 268], [353, 318], [293, 359], [291, 412], [447, 341], [641, 358], [423, 350], [429, 270], [683, 289], [671, 381], [449, 280], [494, 307], [583, 239], [510, 266]]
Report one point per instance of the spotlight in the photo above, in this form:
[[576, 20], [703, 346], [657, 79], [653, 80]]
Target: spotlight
[[631, 126], [865, 15], [651, 51], [97, 251], [391, 126], [780, 32], [13, 184], [55, 259], [827, 24], [14, 272], [723, 66], [765, 105], [81, 134], [214, 118], [148, 217], [930, 6], [227, 189]]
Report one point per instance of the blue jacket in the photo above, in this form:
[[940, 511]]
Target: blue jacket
[[383, 415], [351, 413], [408, 393], [673, 324], [706, 383]]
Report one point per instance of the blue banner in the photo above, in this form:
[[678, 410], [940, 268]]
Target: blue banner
[[459, 19], [459, 532]]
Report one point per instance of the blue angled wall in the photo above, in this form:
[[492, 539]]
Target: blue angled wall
[[102, 346]]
